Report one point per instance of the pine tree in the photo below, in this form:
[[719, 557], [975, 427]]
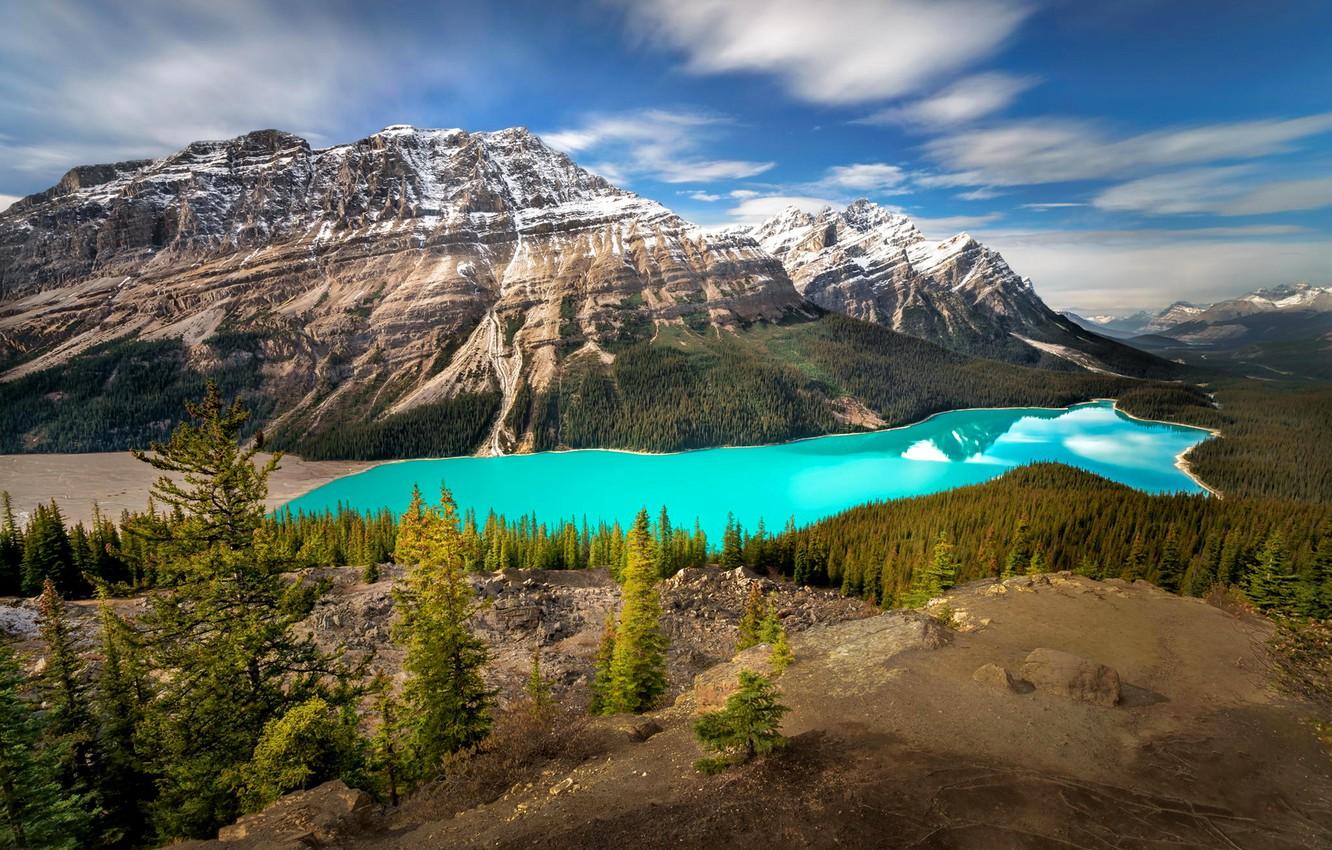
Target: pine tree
[[62, 683], [749, 725], [1170, 570], [638, 666], [1019, 551], [446, 700], [120, 697], [386, 745], [11, 550], [1038, 564], [1271, 583], [47, 553], [1135, 565], [537, 689], [751, 619], [36, 812], [731, 556], [773, 633], [601, 697], [931, 580], [1316, 600], [223, 642], [312, 742]]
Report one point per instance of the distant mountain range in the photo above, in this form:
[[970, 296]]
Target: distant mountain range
[[470, 276], [1280, 332], [1248, 318]]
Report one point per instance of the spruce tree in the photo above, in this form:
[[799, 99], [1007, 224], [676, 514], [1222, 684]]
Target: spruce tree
[[120, 697], [11, 550], [936, 576], [1271, 583], [222, 639], [731, 555], [638, 665], [1135, 565], [63, 688], [749, 725], [1019, 550], [601, 697], [751, 619], [537, 689], [446, 702], [36, 811], [1169, 571], [47, 553]]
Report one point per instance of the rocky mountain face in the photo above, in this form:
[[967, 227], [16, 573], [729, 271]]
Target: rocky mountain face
[[874, 264], [375, 277]]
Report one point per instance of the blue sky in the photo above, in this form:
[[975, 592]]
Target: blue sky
[[1122, 154]]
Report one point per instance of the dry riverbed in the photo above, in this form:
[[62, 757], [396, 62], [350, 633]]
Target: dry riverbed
[[116, 481]]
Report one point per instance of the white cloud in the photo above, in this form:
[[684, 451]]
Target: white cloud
[[945, 226], [1225, 191], [1056, 150], [1129, 270], [88, 82], [984, 193], [958, 103], [1053, 205], [657, 143], [755, 210], [6, 200], [705, 197], [855, 51], [741, 194], [864, 177]]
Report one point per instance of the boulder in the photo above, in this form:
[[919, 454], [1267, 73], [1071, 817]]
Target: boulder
[[994, 676], [1072, 676], [639, 728], [319, 817]]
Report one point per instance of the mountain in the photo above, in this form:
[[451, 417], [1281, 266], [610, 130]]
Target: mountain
[[421, 265], [434, 292], [1283, 332], [1114, 327], [874, 264]]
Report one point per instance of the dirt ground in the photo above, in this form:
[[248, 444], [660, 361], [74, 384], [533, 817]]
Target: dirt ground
[[893, 744], [116, 481]]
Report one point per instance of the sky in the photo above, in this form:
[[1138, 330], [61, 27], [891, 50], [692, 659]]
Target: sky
[[1123, 155]]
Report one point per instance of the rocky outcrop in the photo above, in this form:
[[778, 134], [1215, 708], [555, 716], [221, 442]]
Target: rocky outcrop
[[378, 276], [1072, 676], [324, 816]]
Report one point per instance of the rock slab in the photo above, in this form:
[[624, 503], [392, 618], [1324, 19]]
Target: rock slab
[[1072, 676]]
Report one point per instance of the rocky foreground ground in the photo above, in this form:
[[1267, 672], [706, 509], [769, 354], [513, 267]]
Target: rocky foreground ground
[[1056, 711]]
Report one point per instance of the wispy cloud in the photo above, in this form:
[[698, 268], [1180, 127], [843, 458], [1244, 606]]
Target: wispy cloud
[[662, 144], [1058, 150], [91, 82], [1228, 191], [756, 210], [857, 51], [1053, 205], [705, 197], [1132, 269], [874, 177], [962, 101]]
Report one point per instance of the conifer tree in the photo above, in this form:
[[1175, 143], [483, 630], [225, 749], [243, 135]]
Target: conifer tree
[[731, 555], [387, 745], [1169, 571], [601, 698], [221, 639], [749, 725], [120, 697], [1019, 551], [537, 689], [1271, 583], [1038, 564], [11, 549], [446, 701], [68, 722], [36, 811], [638, 665], [932, 579], [1135, 565], [47, 553], [1316, 596], [751, 619], [782, 655]]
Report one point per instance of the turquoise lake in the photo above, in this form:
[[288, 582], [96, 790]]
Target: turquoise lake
[[807, 479]]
